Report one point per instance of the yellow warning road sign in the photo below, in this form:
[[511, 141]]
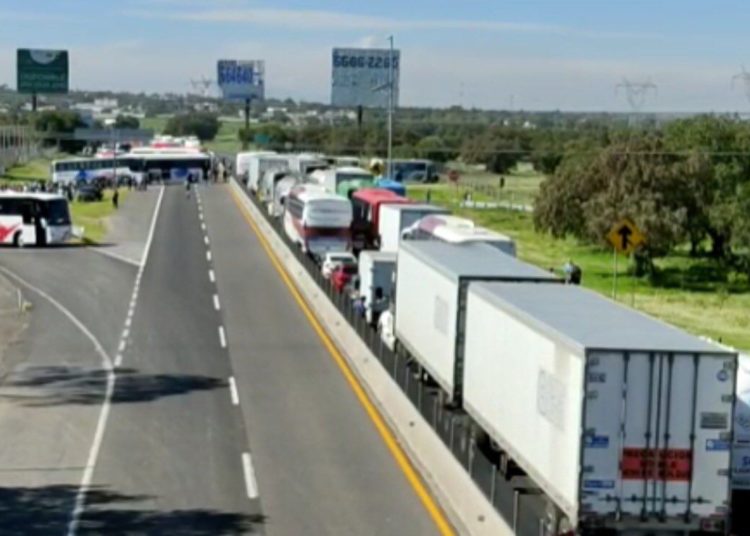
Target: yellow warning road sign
[[625, 236]]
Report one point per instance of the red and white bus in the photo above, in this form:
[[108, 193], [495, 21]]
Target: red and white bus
[[366, 205], [33, 219], [316, 220]]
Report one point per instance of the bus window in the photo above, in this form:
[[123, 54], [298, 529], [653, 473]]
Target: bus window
[[55, 212]]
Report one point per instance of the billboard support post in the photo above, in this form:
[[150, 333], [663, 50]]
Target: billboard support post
[[33, 102], [246, 137]]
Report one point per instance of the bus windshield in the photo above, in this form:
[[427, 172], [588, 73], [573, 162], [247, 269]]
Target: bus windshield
[[56, 212]]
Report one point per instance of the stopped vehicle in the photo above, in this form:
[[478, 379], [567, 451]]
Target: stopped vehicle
[[34, 219]]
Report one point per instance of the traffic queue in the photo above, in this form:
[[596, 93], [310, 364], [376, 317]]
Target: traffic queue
[[618, 422]]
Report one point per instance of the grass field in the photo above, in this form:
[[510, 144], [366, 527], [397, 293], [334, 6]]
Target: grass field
[[226, 140], [93, 216], [519, 187], [694, 294], [34, 170]]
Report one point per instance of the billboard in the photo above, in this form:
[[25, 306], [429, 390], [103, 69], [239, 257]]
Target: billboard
[[42, 71], [241, 79], [360, 77]]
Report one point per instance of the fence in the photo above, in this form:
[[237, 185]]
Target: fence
[[521, 507], [17, 146]]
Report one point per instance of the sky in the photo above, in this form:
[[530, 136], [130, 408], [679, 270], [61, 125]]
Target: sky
[[569, 55]]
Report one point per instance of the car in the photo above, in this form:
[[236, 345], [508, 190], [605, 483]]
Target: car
[[385, 329], [334, 259], [89, 193], [342, 276]]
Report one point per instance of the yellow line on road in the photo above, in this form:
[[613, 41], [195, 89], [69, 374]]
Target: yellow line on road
[[437, 515]]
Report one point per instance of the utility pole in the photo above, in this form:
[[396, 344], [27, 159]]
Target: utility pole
[[390, 109], [636, 94]]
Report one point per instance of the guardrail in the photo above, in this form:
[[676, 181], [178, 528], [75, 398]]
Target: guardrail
[[512, 497]]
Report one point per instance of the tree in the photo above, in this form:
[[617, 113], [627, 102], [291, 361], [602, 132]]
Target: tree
[[127, 121], [498, 148], [635, 180], [266, 134], [203, 125], [53, 123], [433, 148]]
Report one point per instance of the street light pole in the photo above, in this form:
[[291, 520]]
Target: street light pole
[[390, 110]]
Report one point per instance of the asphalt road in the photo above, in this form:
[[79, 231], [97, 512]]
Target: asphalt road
[[321, 466], [227, 416]]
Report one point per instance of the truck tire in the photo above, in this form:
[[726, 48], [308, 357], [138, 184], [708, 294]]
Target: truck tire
[[18, 240]]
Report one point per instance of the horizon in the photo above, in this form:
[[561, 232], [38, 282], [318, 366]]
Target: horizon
[[532, 56]]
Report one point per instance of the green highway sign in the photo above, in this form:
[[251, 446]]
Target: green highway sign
[[42, 71]]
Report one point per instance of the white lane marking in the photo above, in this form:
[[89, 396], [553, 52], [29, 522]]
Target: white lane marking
[[233, 391], [212, 276], [101, 423], [113, 255], [203, 226], [118, 360], [222, 337], [205, 240], [129, 320], [151, 231], [126, 333], [217, 305], [208, 256], [250, 483], [200, 216], [121, 346]]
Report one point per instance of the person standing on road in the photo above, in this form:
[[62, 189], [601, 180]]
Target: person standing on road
[[116, 198]]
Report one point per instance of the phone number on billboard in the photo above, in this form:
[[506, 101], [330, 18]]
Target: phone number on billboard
[[364, 62], [235, 75]]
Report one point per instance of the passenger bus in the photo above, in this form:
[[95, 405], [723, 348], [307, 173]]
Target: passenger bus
[[33, 219], [366, 205], [75, 170], [316, 220]]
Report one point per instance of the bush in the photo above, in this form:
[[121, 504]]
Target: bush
[[203, 125]]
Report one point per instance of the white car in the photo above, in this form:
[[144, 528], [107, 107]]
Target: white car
[[385, 329], [334, 259]]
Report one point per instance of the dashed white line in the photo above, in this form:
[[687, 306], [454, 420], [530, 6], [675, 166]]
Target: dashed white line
[[121, 347], [250, 483], [233, 391], [217, 305], [222, 337], [129, 319], [200, 216], [203, 226], [118, 360], [208, 256], [205, 240], [126, 333], [212, 276]]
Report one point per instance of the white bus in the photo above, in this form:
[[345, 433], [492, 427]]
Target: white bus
[[75, 170], [33, 219], [317, 221]]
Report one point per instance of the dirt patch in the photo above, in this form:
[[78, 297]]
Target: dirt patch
[[13, 321]]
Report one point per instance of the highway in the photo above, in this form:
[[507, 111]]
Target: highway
[[225, 415]]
